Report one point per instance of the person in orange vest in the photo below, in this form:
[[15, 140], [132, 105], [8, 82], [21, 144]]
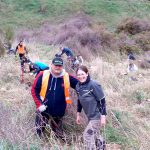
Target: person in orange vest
[[50, 92], [21, 50]]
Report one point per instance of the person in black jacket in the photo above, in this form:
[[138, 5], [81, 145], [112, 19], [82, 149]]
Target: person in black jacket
[[92, 99], [52, 104]]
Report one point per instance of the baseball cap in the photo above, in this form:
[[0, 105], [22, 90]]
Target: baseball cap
[[57, 61]]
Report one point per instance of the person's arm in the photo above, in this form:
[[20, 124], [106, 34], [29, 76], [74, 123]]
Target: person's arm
[[73, 81], [36, 88], [25, 50], [62, 52], [36, 69], [16, 49], [79, 109], [99, 95], [103, 106]]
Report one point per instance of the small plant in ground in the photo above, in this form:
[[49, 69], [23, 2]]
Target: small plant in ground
[[118, 115], [113, 135], [139, 95]]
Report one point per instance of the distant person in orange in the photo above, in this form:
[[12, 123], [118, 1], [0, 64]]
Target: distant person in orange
[[21, 50]]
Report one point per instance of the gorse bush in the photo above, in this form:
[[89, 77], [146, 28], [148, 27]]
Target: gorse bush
[[133, 26], [143, 40]]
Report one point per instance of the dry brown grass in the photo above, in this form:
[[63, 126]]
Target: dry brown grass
[[119, 94], [125, 114], [16, 98]]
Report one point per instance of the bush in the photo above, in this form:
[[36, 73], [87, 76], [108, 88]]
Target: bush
[[143, 40], [139, 96], [133, 26], [2, 50], [144, 64], [9, 35], [114, 136]]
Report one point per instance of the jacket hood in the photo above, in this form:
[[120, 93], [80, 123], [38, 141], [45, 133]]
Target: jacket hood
[[60, 75]]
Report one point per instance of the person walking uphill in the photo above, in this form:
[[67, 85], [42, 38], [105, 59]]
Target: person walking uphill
[[91, 98], [67, 51], [50, 92], [21, 50]]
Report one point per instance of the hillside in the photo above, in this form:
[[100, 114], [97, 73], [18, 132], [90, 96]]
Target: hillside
[[102, 32], [34, 12]]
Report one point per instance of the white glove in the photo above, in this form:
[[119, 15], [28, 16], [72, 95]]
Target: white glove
[[42, 108]]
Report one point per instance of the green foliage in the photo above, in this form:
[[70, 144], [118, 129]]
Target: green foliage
[[118, 115], [139, 96], [114, 135], [6, 145], [34, 12]]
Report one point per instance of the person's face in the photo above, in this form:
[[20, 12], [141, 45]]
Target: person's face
[[21, 43], [56, 69], [82, 76]]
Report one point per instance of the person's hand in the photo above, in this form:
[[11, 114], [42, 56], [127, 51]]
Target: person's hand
[[31, 74], [78, 120], [42, 108], [103, 120]]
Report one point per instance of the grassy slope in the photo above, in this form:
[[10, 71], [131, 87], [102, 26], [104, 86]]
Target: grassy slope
[[26, 13]]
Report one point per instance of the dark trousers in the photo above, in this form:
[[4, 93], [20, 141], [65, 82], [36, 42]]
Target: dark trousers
[[56, 124], [21, 56]]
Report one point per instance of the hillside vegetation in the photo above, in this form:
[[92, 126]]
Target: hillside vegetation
[[102, 32], [34, 12]]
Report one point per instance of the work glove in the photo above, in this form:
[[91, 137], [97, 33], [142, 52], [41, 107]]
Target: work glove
[[42, 108], [31, 74]]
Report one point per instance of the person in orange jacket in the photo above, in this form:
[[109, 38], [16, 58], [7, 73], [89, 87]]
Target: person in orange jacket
[[21, 50]]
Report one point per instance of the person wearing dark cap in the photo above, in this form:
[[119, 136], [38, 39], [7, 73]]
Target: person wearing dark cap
[[50, 92]]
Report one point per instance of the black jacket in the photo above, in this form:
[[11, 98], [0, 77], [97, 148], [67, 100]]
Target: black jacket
[[92, 99], [55, 97]]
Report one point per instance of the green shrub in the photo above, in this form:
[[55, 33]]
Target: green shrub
[[113, 135], [139, 96]]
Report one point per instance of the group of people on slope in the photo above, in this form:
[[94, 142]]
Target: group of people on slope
[[36, 67], [51, 94]]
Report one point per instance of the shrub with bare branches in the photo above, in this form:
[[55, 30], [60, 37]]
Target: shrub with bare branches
[[133, 26]]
